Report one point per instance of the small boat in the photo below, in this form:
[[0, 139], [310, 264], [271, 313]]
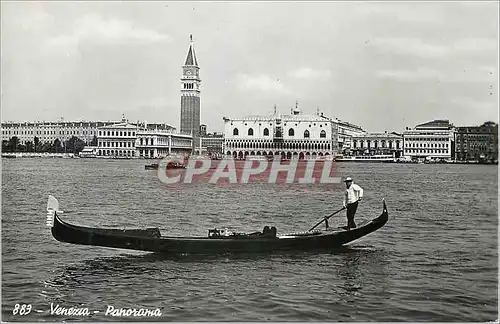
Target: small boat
[[170, 165], [217, 240], [175, 165], [152, 166]]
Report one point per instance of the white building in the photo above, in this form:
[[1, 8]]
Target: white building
[[296, 135], [160, 143], [126, 140], [431, 140], [117, 140]]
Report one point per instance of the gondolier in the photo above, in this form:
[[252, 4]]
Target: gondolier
[[353, 195]]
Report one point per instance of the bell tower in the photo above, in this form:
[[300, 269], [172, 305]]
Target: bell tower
[[190, 96]]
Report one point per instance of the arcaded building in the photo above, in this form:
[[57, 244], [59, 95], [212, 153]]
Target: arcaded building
[[294, 135]]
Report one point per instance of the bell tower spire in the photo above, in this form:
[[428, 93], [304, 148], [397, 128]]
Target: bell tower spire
[[190, 95]]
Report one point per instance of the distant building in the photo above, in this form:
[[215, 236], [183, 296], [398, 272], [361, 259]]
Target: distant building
[[377, 144], [190, 96], [296, 135], [160, 143], [477, 143], [431, 140], [212, 143], [117, 140], [346, 133], [203, 130], [50, 131], [126, 140]]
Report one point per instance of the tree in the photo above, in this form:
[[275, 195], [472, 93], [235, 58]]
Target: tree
[[14, 144], [5, 146], [29, 146], [46, 147], [94, 141], [37, 143], [74, 145], [56, 146]]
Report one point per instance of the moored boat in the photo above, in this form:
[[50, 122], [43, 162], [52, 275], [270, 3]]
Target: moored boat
[[366, 158], [217, 241]]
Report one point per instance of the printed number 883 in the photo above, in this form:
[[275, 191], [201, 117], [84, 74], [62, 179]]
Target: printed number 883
[[22, 309]]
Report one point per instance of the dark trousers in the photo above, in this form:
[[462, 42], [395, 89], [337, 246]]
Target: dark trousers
[[351, 211]]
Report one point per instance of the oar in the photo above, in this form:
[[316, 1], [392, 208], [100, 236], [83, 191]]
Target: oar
[[326, 218]]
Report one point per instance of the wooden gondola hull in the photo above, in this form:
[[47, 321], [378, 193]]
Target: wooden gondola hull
[[151, 240]]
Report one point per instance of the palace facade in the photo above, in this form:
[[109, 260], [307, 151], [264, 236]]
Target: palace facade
[[296, 135]]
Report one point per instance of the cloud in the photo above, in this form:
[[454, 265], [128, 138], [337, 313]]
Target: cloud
[[262, 82], [310, 74], [96, 28], [402, 12], [411, 75], [476, 44], [411, 46], [35, 20], [481, 107]]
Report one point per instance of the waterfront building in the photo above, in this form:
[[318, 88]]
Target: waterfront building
[[50, 131], [160, 143], [148, 140], [212, 143], [477, 143], [292, 136], [377, 144], [190, 96], [346, 132], [117, 140], [431, 140]]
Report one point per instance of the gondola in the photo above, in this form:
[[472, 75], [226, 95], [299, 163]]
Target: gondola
[[217, 241]]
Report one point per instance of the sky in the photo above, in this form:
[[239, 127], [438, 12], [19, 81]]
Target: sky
[[381, 65]]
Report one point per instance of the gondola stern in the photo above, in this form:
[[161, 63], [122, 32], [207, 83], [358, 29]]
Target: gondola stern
[[384, 217]]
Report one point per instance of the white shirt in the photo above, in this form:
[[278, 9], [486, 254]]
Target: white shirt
[[353, 194]]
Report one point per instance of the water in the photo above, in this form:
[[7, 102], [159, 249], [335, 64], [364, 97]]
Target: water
[[435, 260]]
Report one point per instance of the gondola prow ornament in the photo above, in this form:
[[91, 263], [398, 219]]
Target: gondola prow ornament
[[52, 209]]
